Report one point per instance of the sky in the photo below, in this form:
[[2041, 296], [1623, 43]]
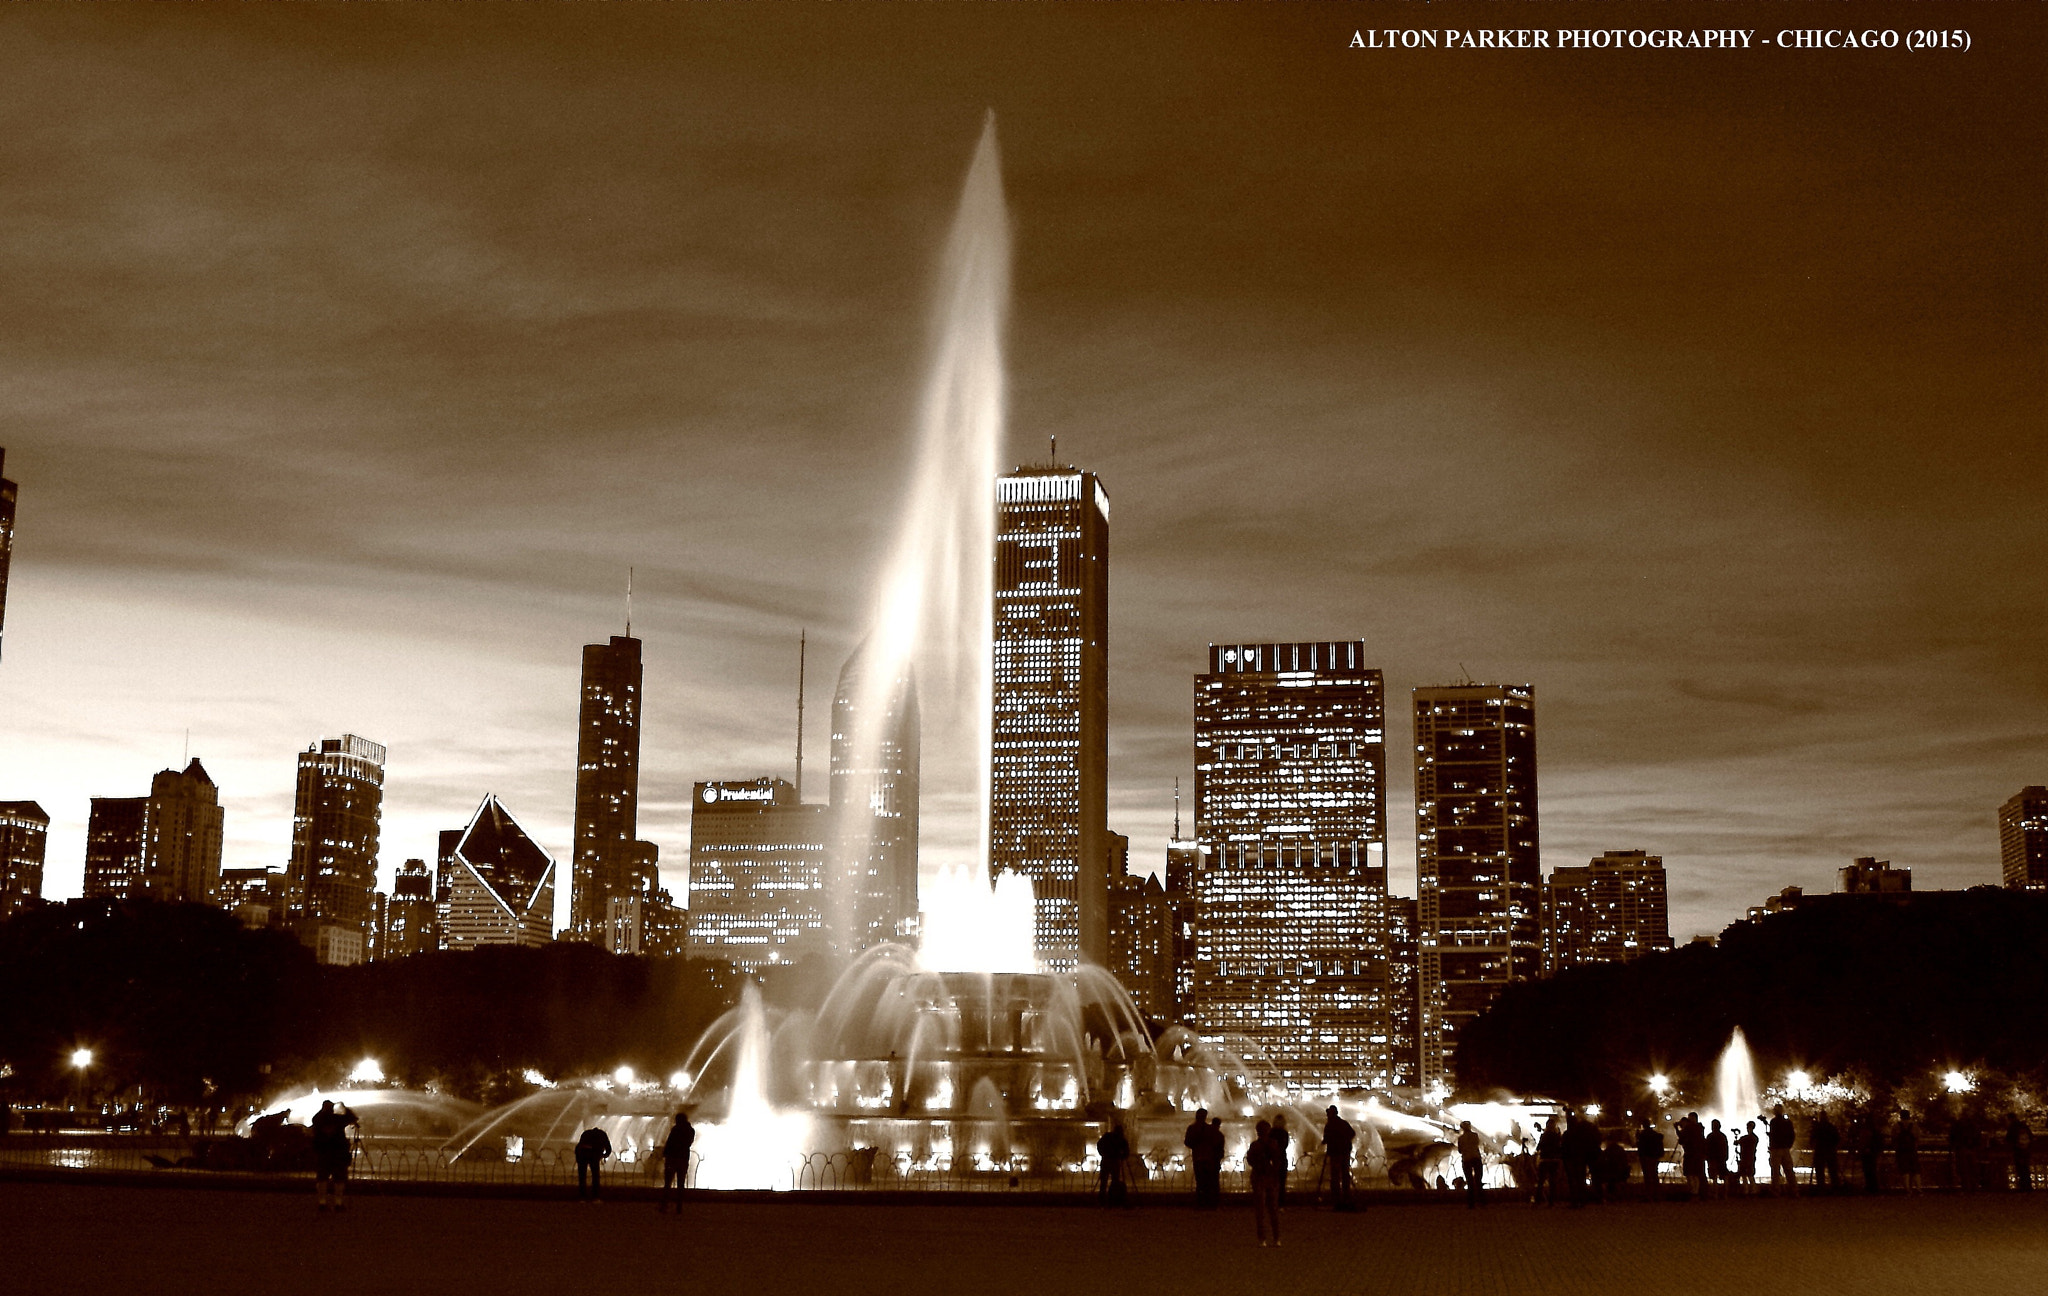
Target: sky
[[351, 354]]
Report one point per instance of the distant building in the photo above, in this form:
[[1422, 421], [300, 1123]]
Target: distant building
[[871, 885], [1478, 876], [1869, 876], [499, 884], [1140, 934], [1183, 862], [7, 498], [1612, 910], [664, 927], [256, 896], [411, 925], [2023, 839], [24, 835], [1290, 892], [1784, 902], [1404, 994], [757, 873], [610, 862], [1049, 793], [374, 949], [337, 811], [165, 846]]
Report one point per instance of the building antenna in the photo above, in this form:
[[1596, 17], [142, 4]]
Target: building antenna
[[1176, 809], [188, 744], [1055, 451], [629, 602], [1462, 671], [801, 636]]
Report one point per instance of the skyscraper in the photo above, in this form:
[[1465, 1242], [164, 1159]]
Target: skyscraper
[[1049, 795], [757, 873], [410, 923], [1183, 862], [24, 835], [2023, 839], [1613, 910], [1404, 1010], [871, 891], [1478, 876], [496, 885], [610, 862], [7, 496], [1290, 810], [335, 821], [1140, 934], [165, 846]]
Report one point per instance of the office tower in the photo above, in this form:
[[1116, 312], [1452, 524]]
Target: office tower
[[7, 496], [1183, 860], [377, 927], [499, 885], [24, 834], [1049, 792], [2023, 839], [411, 925], [1477, 874], [1404, 994], [1613, 910], [257, 896], [1140, 934], [333, 866], [664, 927], [1290, 810], [757, 873], [871, 892], [165, 846], [610, 862], [1870, 876]]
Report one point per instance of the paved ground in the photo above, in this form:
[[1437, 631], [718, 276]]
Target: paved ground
[[57, 1238]]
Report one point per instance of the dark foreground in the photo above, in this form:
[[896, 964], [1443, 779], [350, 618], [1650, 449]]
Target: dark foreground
[[57, 1237]]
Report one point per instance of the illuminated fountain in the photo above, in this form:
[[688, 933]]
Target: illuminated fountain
[[1737, 1095]]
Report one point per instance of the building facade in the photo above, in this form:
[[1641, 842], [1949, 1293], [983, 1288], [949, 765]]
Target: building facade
[[1404, 992], [1614, 910], [113, 848], [256, 896], [1478, 873], [1290, 945], [165, 846], [497, 885], [757, 873], [411, 923], [1141, 942], [610, 863], [871, 884], [338, 808], [2023, 839], [1049, 790], [24, 837]]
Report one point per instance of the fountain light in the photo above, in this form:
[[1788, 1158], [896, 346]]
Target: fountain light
[[1959, 1082], [367, 1072], [623, 1076], [1798, 1082], [1660, 1084], [81, 1058], [536, 1079], [1592, 1110], [680, 1081]]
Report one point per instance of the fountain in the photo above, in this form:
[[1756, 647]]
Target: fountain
[[1737, 1095]]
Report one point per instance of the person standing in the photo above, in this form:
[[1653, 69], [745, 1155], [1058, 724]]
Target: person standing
[[1474, 1167], [675, 1161], [1906, 1153], [331, 1155], [1204, 1142], [1549, 1163], [1745, 1160], [1338, 1137], [1266, 1162], [1870, 1150], [1112, 1150], [1827, 1143], [1783, 1139], [593, 1149], [2019, 1144], [1581, 1157], [1692, 1143], [1717, 1159], [1650, 1156]]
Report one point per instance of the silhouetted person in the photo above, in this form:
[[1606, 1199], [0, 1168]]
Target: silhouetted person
[[1650, 1156], [593, 1149], [1965, 1141], [1549, 1163], [1266, 1162], [1826, 1141], [2019, 1145], [1906, 1153], [1204, 1142], [1113, 1150], [1474, 1168], [1692, 1147], [1783, 1139], [1614, 1168], [1581, 1156], [675, 1161], [1745, 1159], [1338, 1136], [331, 1155], [1717, 1158], [1870, 1150]]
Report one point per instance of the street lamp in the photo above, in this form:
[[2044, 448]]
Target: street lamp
[[81, 1058], [1958, 1082], [1798, 1082], [367, 1072], [624, 1075], [1660, 1084]]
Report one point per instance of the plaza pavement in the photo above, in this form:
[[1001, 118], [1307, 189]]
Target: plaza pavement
[[71, 1237]]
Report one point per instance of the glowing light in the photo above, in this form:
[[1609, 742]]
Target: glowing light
[[680, 1081], [367, 1072], [624, 1076], [970, 926], [536, 1079], [1437, 1092], [81, 1058], [515, 1147], [1958, 1082], [1798, 1081], [1592, 1110], [1660, 1084]]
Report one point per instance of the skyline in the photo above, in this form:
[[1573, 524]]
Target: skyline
[[366, 447]]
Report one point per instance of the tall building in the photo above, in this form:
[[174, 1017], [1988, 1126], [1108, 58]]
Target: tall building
[[1183, 861], [610, 863], [24, 835], [333, 869], [499, 885], [1614, 910], [165, 846], [1478, 876], [1140, 934], [2023, 838], [411, 925], [7, 496], [871, 890], [757, 873], [1290, 811], [1404, 995], [1049, 794]]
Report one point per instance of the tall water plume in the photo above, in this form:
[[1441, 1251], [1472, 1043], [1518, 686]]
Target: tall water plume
[[934, 611]]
